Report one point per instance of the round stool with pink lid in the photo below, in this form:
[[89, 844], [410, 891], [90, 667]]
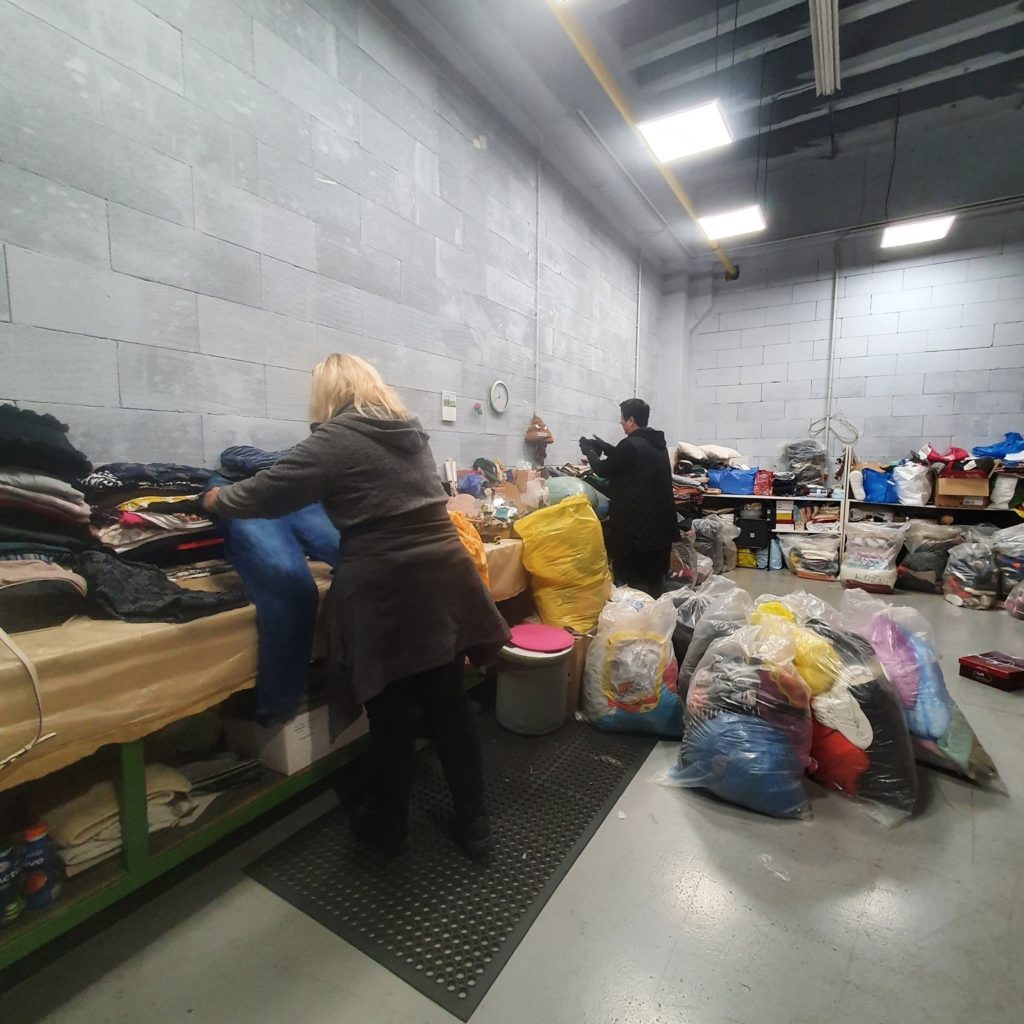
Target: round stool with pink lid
[[532, 678]]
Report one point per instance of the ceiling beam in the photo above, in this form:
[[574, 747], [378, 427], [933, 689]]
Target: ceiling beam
[[753, 50], [701, 30], [974, 65]]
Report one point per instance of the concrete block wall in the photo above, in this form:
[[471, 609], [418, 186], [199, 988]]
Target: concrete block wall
[[928, 347], [199, 199]]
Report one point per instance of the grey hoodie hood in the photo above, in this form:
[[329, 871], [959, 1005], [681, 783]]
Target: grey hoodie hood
[[402, 435]]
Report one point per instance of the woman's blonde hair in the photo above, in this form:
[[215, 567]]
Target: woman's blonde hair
[[343, 379]]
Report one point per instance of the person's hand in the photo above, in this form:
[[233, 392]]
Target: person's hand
[[588, 448], [603, 446], [209, 498]]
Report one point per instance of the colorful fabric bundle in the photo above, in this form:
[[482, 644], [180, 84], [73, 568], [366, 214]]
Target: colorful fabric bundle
[[869, 561], [902, 640], [748, 724]]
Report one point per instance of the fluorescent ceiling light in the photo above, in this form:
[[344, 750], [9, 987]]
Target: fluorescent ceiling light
[[825, 45], [687, 132], [744, 221], [913, 231]]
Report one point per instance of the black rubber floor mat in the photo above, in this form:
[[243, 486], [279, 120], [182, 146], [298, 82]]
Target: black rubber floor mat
[[442, 923]]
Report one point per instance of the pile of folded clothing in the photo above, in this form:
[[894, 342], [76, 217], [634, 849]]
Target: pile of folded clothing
[[820, 519], [87, 829], [38, 465], [152, 512]]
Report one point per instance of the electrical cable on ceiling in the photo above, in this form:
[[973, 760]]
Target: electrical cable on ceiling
[[732, 60], [718, 11], [892, 165], [760, 108]]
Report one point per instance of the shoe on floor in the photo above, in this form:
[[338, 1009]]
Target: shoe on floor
[[474, 835]]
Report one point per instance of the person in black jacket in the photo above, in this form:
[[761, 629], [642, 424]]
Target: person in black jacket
[[642, 525]]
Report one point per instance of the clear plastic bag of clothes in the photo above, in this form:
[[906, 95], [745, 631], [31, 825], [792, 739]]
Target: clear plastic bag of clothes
[[716, 539], [721, 618], [861, 745], [811, 556], [803, 607], [869, 561], [690, 606], [683, 564], [971, 579], [629, 680], [904, 645], [704, 568], [927, 547], [807, 460], [748, 724], [814, 660], [1015, 602], [1008, 549]]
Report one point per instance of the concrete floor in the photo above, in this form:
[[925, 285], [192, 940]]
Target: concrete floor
[[683, 911]]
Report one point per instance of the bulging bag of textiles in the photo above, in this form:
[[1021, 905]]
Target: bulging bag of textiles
[[722, 617], [812, 556], [690, 604], [913, 483], [902, 641], [1015, 602], [1008, 549], [869, 561], [806, 460], [927, 545], [629, 680], [861, 746], [748, 724], [971, 579], [563, 551], [684, 556]]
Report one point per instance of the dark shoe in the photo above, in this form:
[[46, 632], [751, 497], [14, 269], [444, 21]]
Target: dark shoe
[[386, 836], [474, 835]]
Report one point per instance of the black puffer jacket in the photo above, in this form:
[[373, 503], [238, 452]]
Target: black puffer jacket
[[643, 514]]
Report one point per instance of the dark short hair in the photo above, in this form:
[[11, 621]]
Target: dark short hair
[[636, 409]]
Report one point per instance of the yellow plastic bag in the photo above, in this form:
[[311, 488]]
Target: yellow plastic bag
[[472, 543], [563, 551]]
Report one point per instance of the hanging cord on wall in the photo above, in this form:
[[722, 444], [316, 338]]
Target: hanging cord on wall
[[825, 428], [536, 300], [33, 676], [892, 165]]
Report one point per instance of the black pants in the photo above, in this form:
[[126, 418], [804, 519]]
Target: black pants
[[643, 570], [449, 718]]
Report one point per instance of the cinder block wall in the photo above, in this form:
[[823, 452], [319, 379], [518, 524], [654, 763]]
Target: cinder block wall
[[929, 345], [201, 198]]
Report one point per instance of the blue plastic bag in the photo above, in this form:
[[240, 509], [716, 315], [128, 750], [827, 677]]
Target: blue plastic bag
[[880, 487], [1011, 443], [932, 712], [733, 481]]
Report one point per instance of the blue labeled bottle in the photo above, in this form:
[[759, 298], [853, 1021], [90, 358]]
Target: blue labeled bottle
[[41, 876]]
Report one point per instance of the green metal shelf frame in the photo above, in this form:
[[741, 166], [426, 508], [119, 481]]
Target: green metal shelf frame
[[141, 863]]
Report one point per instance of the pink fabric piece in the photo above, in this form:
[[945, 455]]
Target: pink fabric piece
[[131, 519], [542, 639], [896, 655]]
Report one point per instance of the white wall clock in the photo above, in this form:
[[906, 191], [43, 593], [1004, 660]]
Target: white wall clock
[[499, 396]]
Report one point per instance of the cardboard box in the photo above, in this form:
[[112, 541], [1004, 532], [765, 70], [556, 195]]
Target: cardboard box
[[954, 492], [293, 745], [574, 668], [994, 669]]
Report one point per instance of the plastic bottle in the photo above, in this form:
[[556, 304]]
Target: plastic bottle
[[10, 876], [41, 876]]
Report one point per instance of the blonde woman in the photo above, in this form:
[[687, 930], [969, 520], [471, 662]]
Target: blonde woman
[[406, 605]]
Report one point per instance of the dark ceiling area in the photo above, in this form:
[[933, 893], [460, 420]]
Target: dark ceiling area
[[929, 115]]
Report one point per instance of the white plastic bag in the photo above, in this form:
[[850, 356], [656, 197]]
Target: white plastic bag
[[629, 681], [913, 483]]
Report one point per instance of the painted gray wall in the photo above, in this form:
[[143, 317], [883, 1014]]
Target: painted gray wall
[[201, 198], [929, 345]]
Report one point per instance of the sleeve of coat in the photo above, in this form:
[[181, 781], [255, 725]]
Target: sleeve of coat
[[308, 473], [618, 460]]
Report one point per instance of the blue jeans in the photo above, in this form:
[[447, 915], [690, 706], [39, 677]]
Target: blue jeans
[[270, 556]]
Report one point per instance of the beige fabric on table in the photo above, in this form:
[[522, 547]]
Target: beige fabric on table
[[508, 576], [112, 682], [32, 571]]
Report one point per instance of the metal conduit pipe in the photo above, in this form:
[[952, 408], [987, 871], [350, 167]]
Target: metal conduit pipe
[[574, 30]]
